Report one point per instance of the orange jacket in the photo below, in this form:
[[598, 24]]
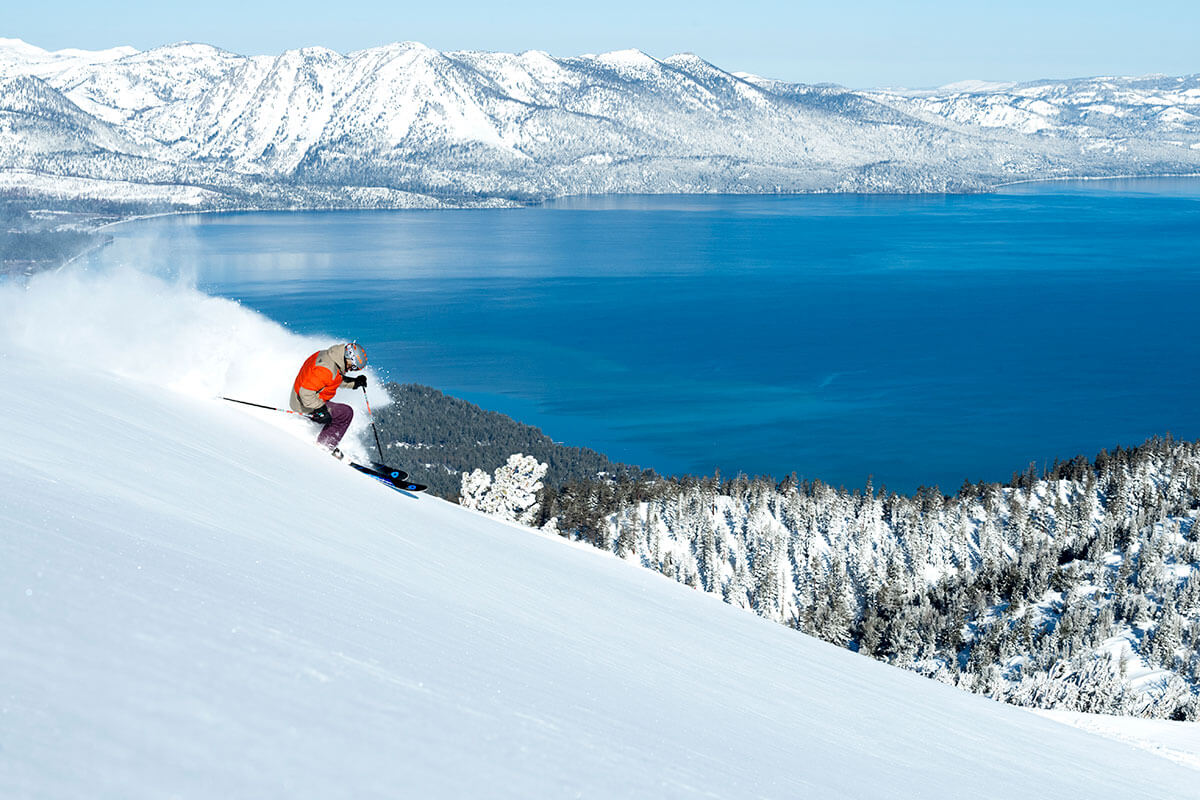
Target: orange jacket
[[318, 379]]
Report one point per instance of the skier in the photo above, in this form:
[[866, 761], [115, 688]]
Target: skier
[[321, 375]]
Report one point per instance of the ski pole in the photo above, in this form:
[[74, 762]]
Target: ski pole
[[260, 405], [378, 446]]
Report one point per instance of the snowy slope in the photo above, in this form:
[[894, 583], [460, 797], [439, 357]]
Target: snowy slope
[[1177, 741], [197, 603], [36, 61]]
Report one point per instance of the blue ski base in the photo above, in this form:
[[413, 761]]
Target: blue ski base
[[395, 478]]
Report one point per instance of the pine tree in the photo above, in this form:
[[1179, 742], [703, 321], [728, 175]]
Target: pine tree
[[510, 494]]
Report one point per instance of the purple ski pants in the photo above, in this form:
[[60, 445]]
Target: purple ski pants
[[335, 429]]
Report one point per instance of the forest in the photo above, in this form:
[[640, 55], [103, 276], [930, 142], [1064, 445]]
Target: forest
[[31, 241], [1075, 589], [438, 438], [1072, 588]]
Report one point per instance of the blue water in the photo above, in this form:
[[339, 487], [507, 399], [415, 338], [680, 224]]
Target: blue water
[[915, 339]]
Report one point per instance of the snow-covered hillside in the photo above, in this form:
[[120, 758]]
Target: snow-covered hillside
[[198, 603], [400, 124]]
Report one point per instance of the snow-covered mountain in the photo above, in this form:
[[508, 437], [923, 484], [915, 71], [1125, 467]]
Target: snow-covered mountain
[[400, 124], [1154, 107], [198, 603]]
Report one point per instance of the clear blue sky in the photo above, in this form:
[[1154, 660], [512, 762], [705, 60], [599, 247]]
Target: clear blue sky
[[857, 43]]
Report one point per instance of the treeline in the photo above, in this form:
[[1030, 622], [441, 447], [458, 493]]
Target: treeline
[[437, 438], [1077, 589], [40, 211]]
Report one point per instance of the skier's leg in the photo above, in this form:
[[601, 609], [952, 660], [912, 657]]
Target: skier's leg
[[335, 429]]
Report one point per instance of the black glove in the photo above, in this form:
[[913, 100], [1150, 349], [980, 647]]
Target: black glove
[[321, 415], [359, 382]]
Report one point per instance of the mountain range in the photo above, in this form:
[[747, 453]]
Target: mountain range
[[192, 126]]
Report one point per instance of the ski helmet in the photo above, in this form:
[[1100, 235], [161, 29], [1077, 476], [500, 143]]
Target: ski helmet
[[356, 357]]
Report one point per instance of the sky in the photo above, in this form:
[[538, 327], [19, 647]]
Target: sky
[[856, 43]]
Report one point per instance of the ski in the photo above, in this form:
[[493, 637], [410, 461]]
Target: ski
[[392, 473], [396, 478]]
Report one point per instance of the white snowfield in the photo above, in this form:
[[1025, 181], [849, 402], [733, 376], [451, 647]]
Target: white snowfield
[[196, 603]]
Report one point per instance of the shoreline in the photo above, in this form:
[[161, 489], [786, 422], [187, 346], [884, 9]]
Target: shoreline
[[447, 206], [1097, 178]]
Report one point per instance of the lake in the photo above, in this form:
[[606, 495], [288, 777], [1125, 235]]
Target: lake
[[915, 339]]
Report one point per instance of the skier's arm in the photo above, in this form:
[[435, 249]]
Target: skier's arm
[[310, 399]]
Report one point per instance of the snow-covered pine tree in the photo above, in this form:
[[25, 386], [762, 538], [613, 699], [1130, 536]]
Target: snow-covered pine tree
[[475, 487], [510, 494]]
